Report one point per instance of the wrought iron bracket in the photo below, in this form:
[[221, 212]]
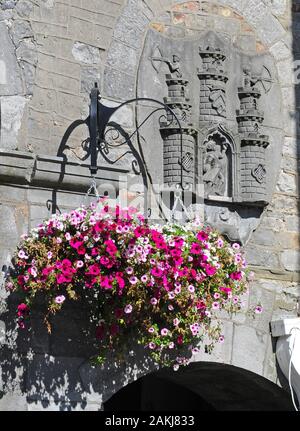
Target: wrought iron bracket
[[100, 116]]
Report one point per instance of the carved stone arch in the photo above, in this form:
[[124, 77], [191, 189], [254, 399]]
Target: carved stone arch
[[223, 138]]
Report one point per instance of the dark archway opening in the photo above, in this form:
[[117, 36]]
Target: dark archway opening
[[201, 386]]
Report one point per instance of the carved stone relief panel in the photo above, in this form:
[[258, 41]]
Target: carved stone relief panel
[[229, 107]]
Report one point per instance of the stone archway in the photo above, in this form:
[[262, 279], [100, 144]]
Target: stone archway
[[201, 386]]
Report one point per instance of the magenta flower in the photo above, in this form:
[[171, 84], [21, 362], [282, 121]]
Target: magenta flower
[[210, 270], [258, 309], [156, 272], [196, 248], [23, 308], [93, 270], [236, 275], [202, 236]]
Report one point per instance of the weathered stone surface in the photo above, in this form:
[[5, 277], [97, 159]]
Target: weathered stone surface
[[8, 4], [262, 256], [10, 82], [292, 291], [266, 299], [222, 351], [270, 366], [24, 8], [264, 237], [291, 260], [249, 346], [278, 7], [119, 55], [269, 285], [85, 53], [26, 51], [292, 223], [290, 165], [280, 51], [287, 183], [118, 85], [16, 403], [89, 75], [8, 226], [20, 30], [285, 306], [12, 110], [267, 26], [128, 33]]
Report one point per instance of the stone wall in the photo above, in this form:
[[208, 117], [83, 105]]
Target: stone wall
[[52, 53]]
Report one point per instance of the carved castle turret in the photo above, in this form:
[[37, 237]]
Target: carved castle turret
[[253, 143], [213, 79], [178, 145]]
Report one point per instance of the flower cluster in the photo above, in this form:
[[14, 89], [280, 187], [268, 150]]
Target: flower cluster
[[166, 283]]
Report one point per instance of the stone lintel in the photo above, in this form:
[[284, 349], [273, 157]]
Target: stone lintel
[[18, 167]]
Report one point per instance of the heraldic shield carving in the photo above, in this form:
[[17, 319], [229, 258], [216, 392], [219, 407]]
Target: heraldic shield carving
[[229, 105]]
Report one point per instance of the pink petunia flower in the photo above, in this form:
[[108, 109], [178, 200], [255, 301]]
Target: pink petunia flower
[[164, 332], [258, 309], [22, 254], [60, 299], [133, 280], [128, 309], [144, 278], [191, 288], [176, 321]]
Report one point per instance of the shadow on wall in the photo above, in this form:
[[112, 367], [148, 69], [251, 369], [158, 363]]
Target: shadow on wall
[[54, 372]]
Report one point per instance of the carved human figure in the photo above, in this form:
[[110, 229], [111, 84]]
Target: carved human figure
[[174, 66], [214, 168], [250, 80]]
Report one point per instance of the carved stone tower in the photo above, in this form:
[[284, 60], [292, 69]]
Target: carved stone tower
[[178, 148], [213, 79], [253, 143]]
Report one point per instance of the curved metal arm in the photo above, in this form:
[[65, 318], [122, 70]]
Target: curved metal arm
[[101, 114]]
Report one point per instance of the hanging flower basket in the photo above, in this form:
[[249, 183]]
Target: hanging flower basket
[[165, 283]]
